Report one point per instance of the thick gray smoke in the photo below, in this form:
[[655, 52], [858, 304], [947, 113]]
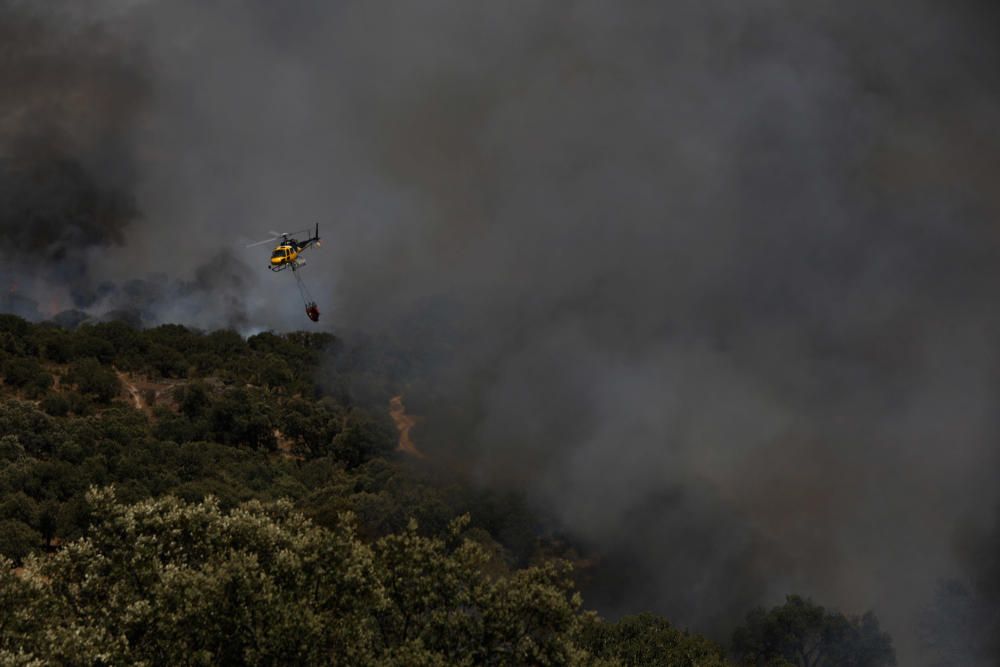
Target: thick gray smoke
[[713, 282], [75, 91], [68, 97]]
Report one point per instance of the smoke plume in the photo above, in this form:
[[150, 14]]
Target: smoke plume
[[76, 91], [69, 99]]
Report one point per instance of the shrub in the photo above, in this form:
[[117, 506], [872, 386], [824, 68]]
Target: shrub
[[166, 361], [56, 404], [21, 372], [89, 344], [94, 380], [18, 539]]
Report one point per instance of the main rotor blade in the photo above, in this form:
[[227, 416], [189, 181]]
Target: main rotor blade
[[252, 245]]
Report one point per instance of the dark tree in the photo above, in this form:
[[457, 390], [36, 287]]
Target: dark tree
[[56, 405], [89, 344], [26, 375], [166, 361], [647, 639], [17, 539], [807, 635], [193, 399], [95, 380]]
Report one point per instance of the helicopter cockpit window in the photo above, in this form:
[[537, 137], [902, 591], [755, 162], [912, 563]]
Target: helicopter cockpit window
[[279, 253]]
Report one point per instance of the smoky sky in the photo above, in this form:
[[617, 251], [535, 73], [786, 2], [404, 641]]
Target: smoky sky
[[68, 97], [713, 283], [76, 92]]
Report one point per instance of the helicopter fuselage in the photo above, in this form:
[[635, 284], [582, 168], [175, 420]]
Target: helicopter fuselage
[[285, 255]]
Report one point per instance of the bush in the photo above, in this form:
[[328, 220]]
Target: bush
[[240, 417], [647, 639], [362, 439], [56, 344], [89, 344], [18, 539], [166, 361], [94, 380], [79, 404], [19, 507], [24, 372], [799, 627], [225, 343], [273, 371], [56, 404], [29, 428], [11, 448], [14, 325], [124, 338], [174, 336], [193, 400]]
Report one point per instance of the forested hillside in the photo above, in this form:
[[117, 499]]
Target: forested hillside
[[169, 496]]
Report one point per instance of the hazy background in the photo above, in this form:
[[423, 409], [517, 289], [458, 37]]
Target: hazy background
[[714, 283]]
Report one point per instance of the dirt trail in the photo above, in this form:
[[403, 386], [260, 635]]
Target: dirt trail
[[132, 390], [404, 423], [286, 447]]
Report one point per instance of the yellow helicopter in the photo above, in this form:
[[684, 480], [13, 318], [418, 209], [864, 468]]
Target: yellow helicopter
[[286, 252]]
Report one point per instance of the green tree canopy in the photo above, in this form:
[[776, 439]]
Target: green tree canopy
[[650, 640], [805, 634], [162, 582], [95, 380], [17, 539]]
